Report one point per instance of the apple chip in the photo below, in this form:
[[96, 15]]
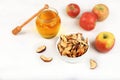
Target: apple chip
[[46, 59], [93, 64]]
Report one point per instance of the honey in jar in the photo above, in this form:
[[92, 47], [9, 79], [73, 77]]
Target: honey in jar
[[48, 23]]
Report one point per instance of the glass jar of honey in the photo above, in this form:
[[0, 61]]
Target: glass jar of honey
[[48, 23]]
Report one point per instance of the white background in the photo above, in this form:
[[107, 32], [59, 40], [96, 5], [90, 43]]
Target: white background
[[19, 61]]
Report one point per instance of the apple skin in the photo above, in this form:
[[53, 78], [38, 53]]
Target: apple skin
[[101, 10], [104, 42]]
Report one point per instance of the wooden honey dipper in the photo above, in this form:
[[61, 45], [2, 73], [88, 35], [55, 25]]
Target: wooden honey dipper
[[16, 30]]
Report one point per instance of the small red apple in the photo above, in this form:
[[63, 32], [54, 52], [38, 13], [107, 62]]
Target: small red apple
[[72, 10], [101, 10], [104, 41]]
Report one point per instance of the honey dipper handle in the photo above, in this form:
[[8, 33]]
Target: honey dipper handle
[[16, 30]]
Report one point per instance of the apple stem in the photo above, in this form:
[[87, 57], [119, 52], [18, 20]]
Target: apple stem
[[104, 36]]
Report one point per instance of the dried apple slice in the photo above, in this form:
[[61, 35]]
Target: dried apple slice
[[41, 49], [46, 59], [93, 64]]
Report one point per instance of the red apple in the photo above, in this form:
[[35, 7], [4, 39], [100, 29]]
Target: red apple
[[72, 10], [104, 41], [88, 21], [101, 10]]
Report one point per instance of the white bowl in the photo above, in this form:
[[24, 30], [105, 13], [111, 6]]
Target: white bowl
[[70, 59]]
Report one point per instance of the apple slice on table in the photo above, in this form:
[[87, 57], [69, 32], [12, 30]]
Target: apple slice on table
[[93, 64], [104, 41]]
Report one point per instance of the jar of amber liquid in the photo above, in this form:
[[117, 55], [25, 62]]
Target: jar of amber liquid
[[48, 23]]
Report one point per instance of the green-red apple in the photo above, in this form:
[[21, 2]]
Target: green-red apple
[[104, 41], [101, 10]]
